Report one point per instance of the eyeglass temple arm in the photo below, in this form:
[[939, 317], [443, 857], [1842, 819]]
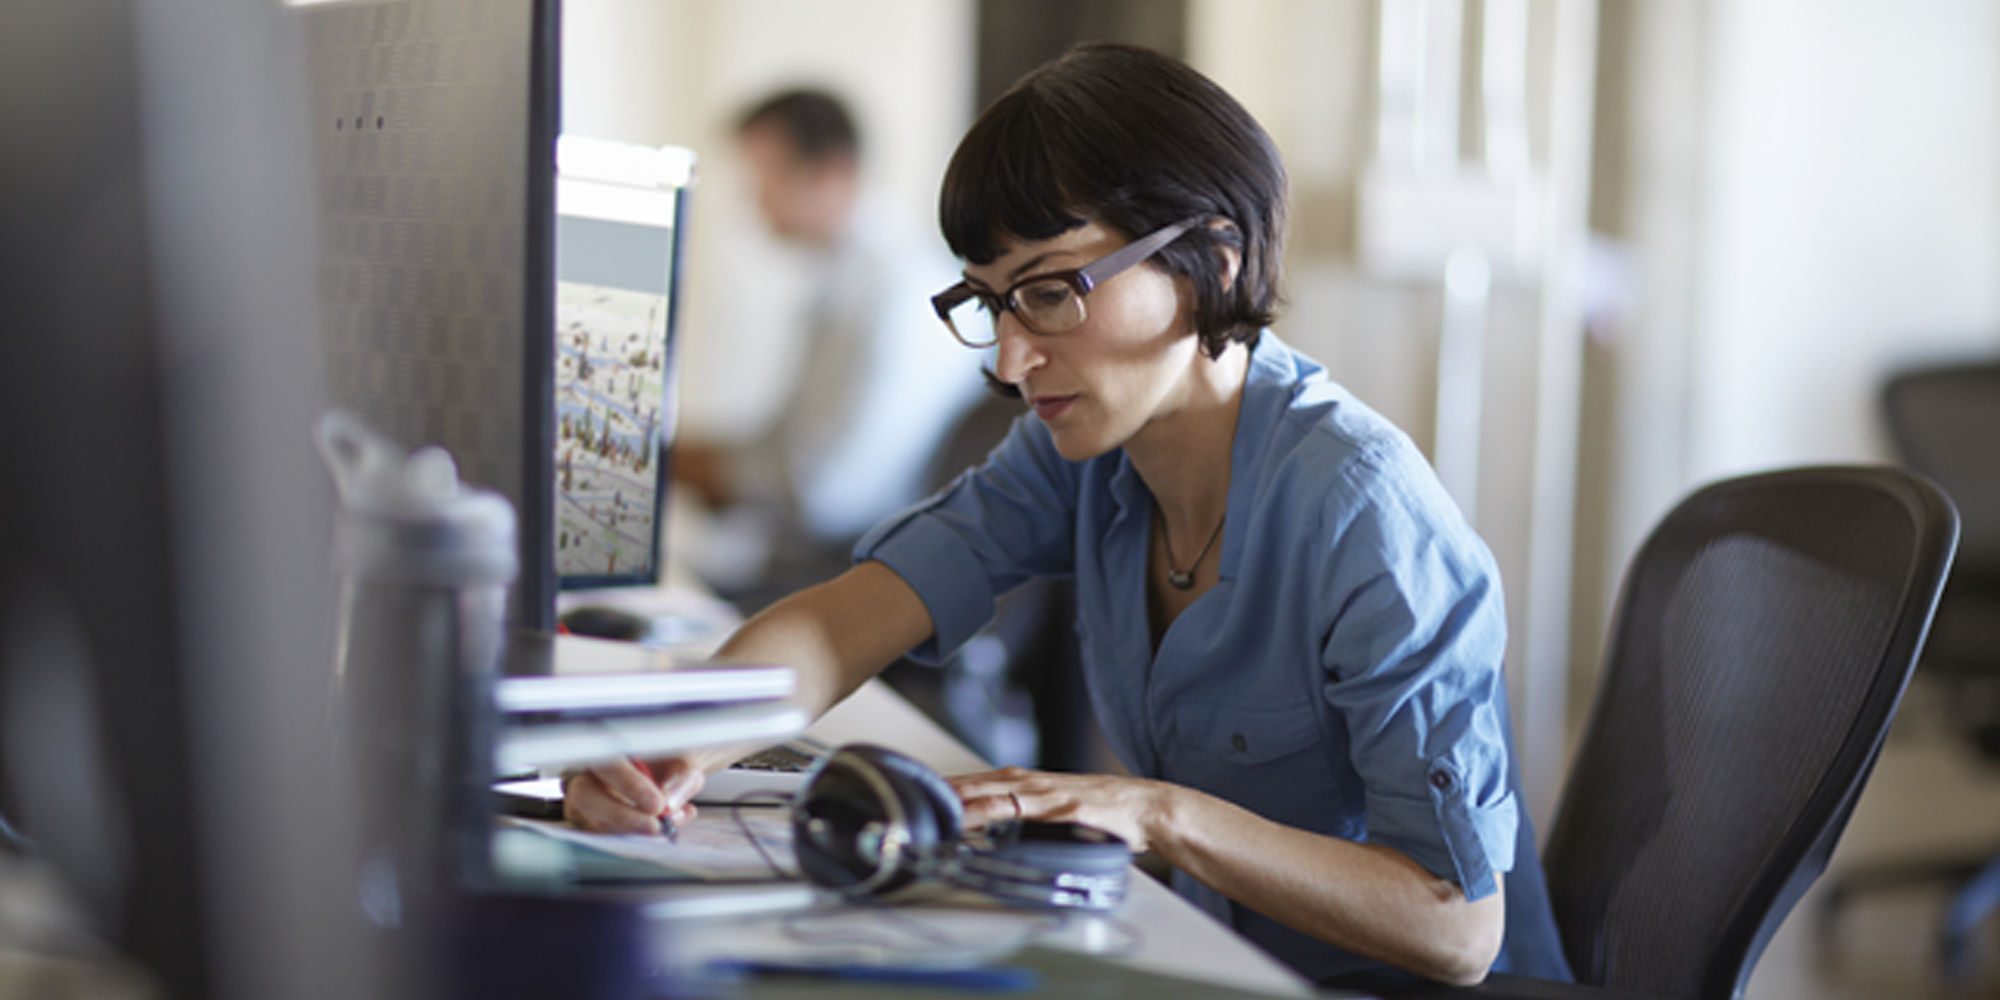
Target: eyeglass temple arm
[[1133, 253], [943, 302]]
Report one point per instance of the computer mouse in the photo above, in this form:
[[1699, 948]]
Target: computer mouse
[[603, 622]]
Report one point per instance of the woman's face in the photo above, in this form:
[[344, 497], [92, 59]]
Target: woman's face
[[1097, 385]]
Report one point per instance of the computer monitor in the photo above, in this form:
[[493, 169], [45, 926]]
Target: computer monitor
[[435, 126], [164, 588], [619, 215]]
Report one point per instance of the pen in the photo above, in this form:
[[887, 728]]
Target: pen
[[667, 827], [995, 978]]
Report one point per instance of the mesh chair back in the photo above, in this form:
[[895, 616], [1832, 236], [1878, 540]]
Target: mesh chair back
[[1946, 425], [1763, 638]]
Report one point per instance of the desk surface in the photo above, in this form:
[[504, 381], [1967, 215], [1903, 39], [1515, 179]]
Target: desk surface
[[1173, 936], [1155, 930]]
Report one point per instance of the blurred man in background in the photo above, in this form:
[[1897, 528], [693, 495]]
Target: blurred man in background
[[880, 386]]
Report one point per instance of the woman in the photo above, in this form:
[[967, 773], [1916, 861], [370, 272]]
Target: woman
[[1289, 632]]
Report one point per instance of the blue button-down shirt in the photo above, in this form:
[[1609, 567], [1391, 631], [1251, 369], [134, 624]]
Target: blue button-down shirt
[[1342, 676]]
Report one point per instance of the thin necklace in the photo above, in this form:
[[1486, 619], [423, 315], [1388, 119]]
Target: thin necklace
[[1183, 579]]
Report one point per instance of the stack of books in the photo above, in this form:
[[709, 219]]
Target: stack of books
[[570, 701]]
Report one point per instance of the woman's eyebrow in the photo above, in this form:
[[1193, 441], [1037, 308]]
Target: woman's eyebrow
[[1015, 274], [1029, 264]]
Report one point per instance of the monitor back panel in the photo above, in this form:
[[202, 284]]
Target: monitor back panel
[[434, 125]]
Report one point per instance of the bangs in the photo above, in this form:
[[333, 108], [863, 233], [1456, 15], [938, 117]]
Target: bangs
[[1005, 183]]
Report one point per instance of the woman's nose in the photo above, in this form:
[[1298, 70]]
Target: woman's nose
[[1016, 353]]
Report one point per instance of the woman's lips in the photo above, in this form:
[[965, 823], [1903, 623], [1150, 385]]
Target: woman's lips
[[1050, 407]]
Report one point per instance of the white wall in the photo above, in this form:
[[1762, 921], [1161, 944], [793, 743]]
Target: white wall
[[1852, 220], [1810, 194], [678, 71]]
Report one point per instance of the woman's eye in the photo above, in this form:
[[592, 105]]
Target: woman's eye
[[1044, 297]]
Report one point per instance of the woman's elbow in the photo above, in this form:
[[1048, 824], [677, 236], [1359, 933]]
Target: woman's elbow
[[1466, 968], [1464, 953]]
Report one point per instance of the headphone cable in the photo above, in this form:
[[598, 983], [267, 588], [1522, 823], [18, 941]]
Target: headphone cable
[[736, 814]]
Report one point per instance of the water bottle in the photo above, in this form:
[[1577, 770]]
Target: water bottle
[[423, 563]]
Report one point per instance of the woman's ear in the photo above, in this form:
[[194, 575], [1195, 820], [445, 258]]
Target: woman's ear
[[1230, 249]]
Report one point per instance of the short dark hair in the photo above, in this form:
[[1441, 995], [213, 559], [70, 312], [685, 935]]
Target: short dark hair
[[1135, 140], [816, 122]]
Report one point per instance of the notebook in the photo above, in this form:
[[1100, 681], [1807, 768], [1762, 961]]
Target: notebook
[[541, 745], [570, 701]]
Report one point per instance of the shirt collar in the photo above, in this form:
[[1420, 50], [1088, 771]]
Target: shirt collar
[[1267, 394], [1272, 369]]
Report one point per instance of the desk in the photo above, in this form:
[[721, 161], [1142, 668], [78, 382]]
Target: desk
[[1175, 938]]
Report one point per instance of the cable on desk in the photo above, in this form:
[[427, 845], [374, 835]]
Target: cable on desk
[[736, 814]]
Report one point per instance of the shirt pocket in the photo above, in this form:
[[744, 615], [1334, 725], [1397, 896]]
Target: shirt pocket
[[1272, 759], [1246, 735]]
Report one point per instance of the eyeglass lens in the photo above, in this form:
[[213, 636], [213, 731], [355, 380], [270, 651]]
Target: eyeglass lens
[[1046, 307]]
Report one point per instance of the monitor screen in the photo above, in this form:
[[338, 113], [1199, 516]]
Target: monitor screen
[[618, 227]]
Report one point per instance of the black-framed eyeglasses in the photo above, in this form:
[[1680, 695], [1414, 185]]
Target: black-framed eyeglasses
[[1046, 303]]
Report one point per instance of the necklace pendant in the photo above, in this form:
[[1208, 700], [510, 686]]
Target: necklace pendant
[[1181, 580]]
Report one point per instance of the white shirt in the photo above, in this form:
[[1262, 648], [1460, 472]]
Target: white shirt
[[881, 384]]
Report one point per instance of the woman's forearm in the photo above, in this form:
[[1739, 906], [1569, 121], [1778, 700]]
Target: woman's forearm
[[1366, 898], [837, 635]]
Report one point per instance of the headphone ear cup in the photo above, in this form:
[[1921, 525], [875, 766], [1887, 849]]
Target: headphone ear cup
[[861, 801], [941, 810], [831, 818], [1087, 850], [1058, 865]]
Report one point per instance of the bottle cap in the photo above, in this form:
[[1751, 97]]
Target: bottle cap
[[409, 518]]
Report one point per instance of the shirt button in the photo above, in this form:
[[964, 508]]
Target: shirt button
[[1239, 743], [1440, 780]]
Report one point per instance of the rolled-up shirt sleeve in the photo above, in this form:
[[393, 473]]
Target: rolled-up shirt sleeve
[[1414, 640], [994, 527]]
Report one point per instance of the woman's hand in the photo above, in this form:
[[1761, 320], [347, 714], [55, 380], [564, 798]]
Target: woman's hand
[[621, 797], [1135, 809]]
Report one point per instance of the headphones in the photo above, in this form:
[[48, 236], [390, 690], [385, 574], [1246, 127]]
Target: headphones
[[870, 821]]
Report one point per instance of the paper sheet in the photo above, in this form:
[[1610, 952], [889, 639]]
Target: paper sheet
[[713, 846]]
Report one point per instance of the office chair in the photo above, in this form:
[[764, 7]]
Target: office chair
[[1761, 643], [1944, 423]]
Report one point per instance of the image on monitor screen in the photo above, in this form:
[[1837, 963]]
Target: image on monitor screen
[[619, 210]]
